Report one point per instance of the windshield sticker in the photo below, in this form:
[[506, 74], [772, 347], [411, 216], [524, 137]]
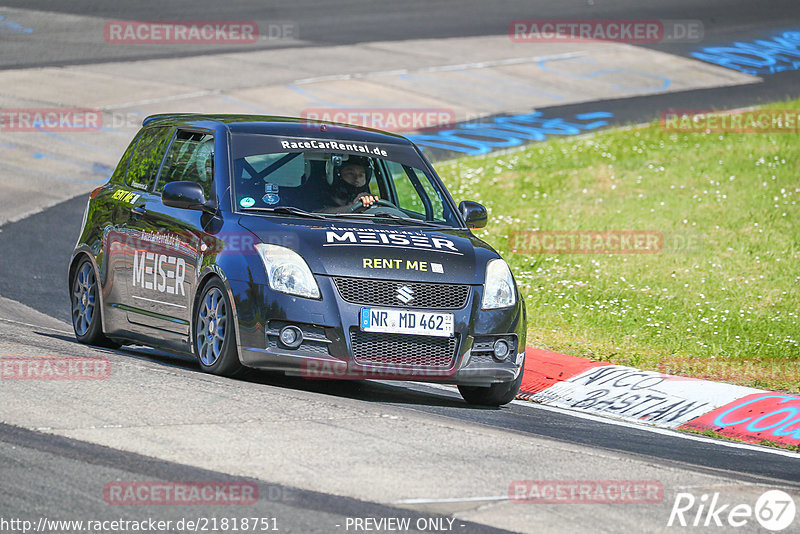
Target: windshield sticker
[[247, 202], [334, 145], [271, 197], [395, 239]]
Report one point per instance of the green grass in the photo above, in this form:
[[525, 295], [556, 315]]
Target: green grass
[[725, 307]]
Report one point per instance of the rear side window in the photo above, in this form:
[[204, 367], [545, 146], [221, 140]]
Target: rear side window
[[122, 166], [146, 157], [190, 158]]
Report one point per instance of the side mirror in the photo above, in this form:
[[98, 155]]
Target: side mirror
[[474, 214], [185, 195]]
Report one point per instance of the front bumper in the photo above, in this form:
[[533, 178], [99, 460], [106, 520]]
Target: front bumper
[[333, 346]]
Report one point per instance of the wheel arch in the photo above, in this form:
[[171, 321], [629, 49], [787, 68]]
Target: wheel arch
[[77, 256], [208, 274]]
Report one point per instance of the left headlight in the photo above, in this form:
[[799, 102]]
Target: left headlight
[[498, 291], [287, 271]]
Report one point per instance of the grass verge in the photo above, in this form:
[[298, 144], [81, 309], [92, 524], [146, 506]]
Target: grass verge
[[720, 297]]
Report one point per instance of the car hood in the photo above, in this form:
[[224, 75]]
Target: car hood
[[368, 250]]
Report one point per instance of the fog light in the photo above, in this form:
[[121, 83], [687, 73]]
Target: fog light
[[291, 336], [501, 349]]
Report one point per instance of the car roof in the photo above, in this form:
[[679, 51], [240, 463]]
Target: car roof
[[277, 125]]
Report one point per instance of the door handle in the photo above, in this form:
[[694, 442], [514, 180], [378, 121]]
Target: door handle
[[138, 211]]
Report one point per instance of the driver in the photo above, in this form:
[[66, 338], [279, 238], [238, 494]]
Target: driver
[[350, 187]]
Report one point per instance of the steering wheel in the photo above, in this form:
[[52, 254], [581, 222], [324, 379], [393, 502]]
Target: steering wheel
[[359, 207]]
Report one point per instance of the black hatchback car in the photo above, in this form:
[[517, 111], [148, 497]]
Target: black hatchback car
[[317, 249]]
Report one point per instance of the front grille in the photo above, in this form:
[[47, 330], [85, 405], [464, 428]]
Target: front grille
[[386, 292], [400, 350], [306, 347], [483, 344], [478, 359]]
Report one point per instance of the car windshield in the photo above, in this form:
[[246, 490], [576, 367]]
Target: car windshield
[[332, 182]]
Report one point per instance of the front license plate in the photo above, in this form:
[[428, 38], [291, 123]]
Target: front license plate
[[406, 322]]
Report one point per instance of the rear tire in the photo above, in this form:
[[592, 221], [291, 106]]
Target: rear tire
[[86, 319], [494, 395], [214, 334]]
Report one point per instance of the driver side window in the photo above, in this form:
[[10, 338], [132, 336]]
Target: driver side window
[[190, 158], [415, 193]]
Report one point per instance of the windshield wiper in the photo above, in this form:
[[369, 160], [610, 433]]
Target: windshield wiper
[[288, 210], [390, 216]]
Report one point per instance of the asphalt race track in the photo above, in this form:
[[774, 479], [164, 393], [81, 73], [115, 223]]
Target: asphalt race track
[[320, 453], [341, 22]]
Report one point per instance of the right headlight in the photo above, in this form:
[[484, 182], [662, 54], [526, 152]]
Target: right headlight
[[287, 271], [498, 291]]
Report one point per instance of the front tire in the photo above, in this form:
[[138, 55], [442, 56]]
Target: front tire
[[86, 320], [494, 395], [214, 335]]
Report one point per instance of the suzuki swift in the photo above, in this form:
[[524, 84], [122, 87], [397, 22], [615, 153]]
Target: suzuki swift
[[317, 249]]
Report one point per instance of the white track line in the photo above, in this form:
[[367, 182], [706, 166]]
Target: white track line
[[441, 68], [36, 326], [647, 428], [463, 499], [169, 98]]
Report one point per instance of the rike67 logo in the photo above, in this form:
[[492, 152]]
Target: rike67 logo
[[774, 510]]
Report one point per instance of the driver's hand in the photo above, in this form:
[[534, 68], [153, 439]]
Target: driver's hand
[[367, 200]]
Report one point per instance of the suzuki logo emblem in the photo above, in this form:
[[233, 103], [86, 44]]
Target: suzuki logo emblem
[[405, 294]]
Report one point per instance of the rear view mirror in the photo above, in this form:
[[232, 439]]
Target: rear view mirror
[[184, 195], [474, 214]]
